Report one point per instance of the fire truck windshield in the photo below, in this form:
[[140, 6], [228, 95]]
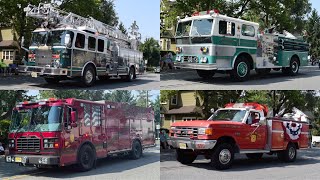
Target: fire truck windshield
[[37, 119], [183, 28], [51, 38], [58, 38], [200, 27], [39, 38], [228, 115]]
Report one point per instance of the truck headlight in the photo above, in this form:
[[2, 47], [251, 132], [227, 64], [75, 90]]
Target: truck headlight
[[50, 143], [11, 143], [8, 158], [205, 131]]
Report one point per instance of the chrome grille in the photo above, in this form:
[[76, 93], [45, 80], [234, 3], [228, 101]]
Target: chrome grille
[[24, 143], [43, 57], [186, 131]]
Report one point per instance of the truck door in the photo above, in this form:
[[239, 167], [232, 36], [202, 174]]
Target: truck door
[[70, 135], [255, 132]]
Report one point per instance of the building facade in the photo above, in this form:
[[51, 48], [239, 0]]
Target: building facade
[[9, 46], [184, 106]]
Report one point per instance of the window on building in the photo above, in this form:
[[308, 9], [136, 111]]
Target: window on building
[[189, 118], [174, 100], [8, 55], [80, 41], [227, 28], [100, 45], [92, 43], [173, 118], [168, 44], [247, 30]]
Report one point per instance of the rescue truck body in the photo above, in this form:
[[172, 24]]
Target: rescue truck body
[[238, 128]]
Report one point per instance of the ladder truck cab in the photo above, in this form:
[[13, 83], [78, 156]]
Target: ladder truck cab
[[210, 43], [240, 128], [61, 132], [67, 46]]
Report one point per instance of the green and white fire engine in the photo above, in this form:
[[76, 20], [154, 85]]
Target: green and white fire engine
[[68, 46], [210, 42]]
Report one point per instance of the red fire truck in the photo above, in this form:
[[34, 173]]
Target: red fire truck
[[61, 132], [239, 128]]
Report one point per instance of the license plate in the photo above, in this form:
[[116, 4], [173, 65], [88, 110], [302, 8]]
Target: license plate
[[34, 74], [183, 145], [17, 159]]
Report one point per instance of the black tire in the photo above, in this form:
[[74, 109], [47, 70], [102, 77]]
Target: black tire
[[89, 76], [131, 75], [293, 70], [263, 71], [254, 156], [86, 158], [222, 156], [52, 80], [185, 156], [241, 71], [290, 154], [205, 74], [136, 151]]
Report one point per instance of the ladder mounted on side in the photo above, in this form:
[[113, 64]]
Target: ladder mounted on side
[[54, 16]]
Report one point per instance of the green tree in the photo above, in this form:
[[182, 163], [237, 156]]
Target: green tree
[[124, 96], [8, 101], [92, 95], [156, 108], [143, 98], [122, 28], [151, 51]]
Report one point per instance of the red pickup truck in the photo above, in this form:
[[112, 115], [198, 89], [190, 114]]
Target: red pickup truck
[[239, 128]]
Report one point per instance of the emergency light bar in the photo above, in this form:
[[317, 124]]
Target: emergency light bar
[[211, 12]]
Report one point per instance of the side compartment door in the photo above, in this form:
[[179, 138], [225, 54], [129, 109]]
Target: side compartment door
[[124, 126], [112, 128], [97, 131]]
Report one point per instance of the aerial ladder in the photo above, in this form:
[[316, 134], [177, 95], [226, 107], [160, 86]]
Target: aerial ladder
[[52, 17]]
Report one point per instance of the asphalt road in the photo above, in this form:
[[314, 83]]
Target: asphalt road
[[305, 167], [114, 168], [147, 81], [308, 79]]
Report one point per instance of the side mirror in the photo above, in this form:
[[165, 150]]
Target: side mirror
[[212, 110], [67, 40], [73, 117]]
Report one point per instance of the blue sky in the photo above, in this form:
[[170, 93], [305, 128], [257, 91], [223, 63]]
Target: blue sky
[[145, 12], [316, 5]]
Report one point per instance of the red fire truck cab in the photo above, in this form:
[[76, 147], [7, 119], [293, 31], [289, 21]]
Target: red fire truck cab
[[238, 128], [61, 132]]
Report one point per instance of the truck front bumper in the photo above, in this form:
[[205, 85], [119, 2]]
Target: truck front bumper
[[33, 159], [43, 70], [196, 66], [182, 143]]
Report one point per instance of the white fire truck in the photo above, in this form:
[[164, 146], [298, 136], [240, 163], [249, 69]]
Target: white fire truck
[[210, 42], [70, 46]]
